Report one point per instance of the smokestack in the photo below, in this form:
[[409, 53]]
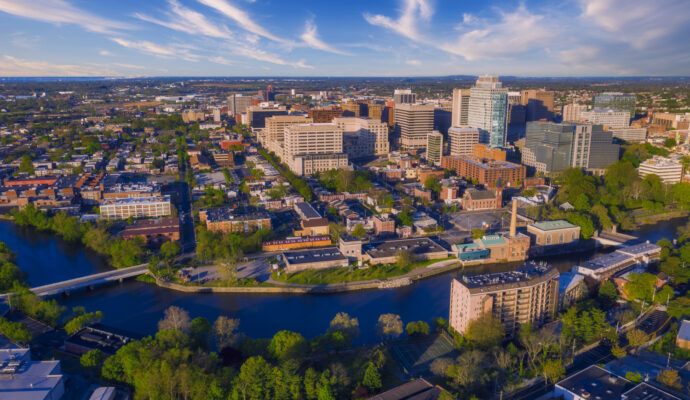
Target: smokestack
[[513, 219]]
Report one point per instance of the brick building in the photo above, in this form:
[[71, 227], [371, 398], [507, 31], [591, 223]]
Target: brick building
[[485, 171], [488, 199]]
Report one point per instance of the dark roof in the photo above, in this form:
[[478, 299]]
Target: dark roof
[[481, 194], [597, 382], [389, 248], [524, 275], [310, 223], [307, 210], [418, 389], [644, 391], [105, 338], [311, 256]]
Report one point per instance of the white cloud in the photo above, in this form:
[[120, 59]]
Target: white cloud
[[513, 34], [189, 21], [144, 46], [129, 66], [311, 38], [105, 53], [415, 63], [406, 24], [60, 12], [637, 22], [12, 66], [242, 18]]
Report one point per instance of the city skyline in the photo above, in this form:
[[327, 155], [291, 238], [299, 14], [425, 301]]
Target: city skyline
[[385, 38]]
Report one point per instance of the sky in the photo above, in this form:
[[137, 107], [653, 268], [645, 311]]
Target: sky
[[344, 38]]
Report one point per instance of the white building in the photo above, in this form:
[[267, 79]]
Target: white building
[[363, 136], [633, 135], [571, 112], [607, 117], [670, 171], [314, 147], [462, 140], [21, 378], [461, 107], [151, 207]]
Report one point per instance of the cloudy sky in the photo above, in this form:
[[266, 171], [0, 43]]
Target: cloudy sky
[[344, 38]]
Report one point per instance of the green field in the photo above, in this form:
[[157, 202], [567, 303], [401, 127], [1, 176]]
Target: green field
[[351, 274]]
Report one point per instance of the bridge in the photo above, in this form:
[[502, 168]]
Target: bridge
[[614, 238], [87, 282]]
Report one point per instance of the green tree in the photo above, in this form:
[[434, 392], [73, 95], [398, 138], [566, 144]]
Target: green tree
[[169, 250], [342, 322], [607, 294], [633, 376], [372, 378], [670, 143], [636, 338], [432, 183], [15, 331], [253, 381], [359, 232], [92, 359], [26, 166], [669, 378], [486, 331], [478, 233], [404, 259], [617, 351], [417, 328], [584, 222], [286, 345], [553, 371], [81, 319]]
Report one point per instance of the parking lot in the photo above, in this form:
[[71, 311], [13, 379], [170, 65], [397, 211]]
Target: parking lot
[[487, 220]]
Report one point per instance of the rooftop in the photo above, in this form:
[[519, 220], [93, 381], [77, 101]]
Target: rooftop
[[307, 211], [136, 200], [596, 383], [684, 330], [644, 391], [568, 280], [311, 256], [640, 249], [389, 248], [519, 277], [477, 194], [553, 225], [418, 389], [21, 379], [490, 240]]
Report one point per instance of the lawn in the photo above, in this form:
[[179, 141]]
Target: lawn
[[350, 274]]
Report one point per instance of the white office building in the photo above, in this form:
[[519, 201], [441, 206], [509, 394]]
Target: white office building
[[670, 171], [607, 117], [462, 139]]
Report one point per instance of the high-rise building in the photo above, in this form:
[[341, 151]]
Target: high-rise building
[[617, 101], [461, 107], [553, 147], [363, 136], [527, 295], [538, 103], [351, 109], [413, 123], [404, 96], [314, 147], [434, 148], [442, 118], [462, 139], [608, 117], [238, 103], [216, 115], [256, 115], [376, 111], [571, 112], [270, 94], [488, 110]]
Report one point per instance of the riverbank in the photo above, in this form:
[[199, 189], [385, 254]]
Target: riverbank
[[652, 219], [283, 287]]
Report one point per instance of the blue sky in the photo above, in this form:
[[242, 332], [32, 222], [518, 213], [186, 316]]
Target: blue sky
[[344, 38]]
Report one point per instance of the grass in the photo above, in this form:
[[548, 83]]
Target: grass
[[351, 274]]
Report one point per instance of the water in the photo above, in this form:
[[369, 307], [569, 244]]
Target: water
[[138, 306]]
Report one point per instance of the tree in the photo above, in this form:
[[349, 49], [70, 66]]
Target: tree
[[669, 378], [26, 166], [80, 319], [670, 143], [636, 338], [404, 259], [342, 322], [372, 377], [617, 351], [389, 326], [175, 318], [584, 222], [478, 233], [432, 183], [286, 345], [253, 381], [418, 328], [404, 218], [486, 331], [633, 376], [359, 232], [439, 366], [553, 371], [92, 359], [225, 332], [607, 294], [15, 331]]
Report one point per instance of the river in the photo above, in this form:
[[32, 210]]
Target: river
[[137, 306]]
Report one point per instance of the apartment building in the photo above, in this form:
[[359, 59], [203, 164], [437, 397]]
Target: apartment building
[[528, 294], [670, 171], [485, 171], [617, 101], [571, 112], [363, 136], [404, 96], [538, 104], [462, 139], [238, 104], [139, 207], [324, 114], [227, 220], [461, 107], [413, 123], [276, 125]]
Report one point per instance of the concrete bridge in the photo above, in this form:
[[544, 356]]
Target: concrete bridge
[[614, 238], [87, 282]]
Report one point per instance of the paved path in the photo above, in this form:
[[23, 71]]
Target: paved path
[[412, 274]]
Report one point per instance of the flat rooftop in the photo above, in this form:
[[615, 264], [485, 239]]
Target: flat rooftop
[[553, 225], [390, 248], [307, 210], [137, 200], [596, 383], [505, 280], [644, 391], [418, 389], [640, 249], [312, 256], [606, 261]]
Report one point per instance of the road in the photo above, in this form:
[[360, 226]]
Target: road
[[188, 239]]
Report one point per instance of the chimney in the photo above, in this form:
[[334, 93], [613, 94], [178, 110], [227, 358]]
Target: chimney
[[513, 219]]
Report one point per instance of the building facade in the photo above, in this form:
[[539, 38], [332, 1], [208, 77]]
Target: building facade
[[485, 171], [238, 104], [413, 123], [461, 107], [434, 148], [141, 207], [670, 171], [404, 96], [608, 117], [488, 110], [363, 136], [538, 104], [462, 139], [617, 101], [526, 295]]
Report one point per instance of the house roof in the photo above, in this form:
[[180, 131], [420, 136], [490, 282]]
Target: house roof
[[684, 330]]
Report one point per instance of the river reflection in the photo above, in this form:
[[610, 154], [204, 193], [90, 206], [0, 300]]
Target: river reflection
[[137, 306]]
